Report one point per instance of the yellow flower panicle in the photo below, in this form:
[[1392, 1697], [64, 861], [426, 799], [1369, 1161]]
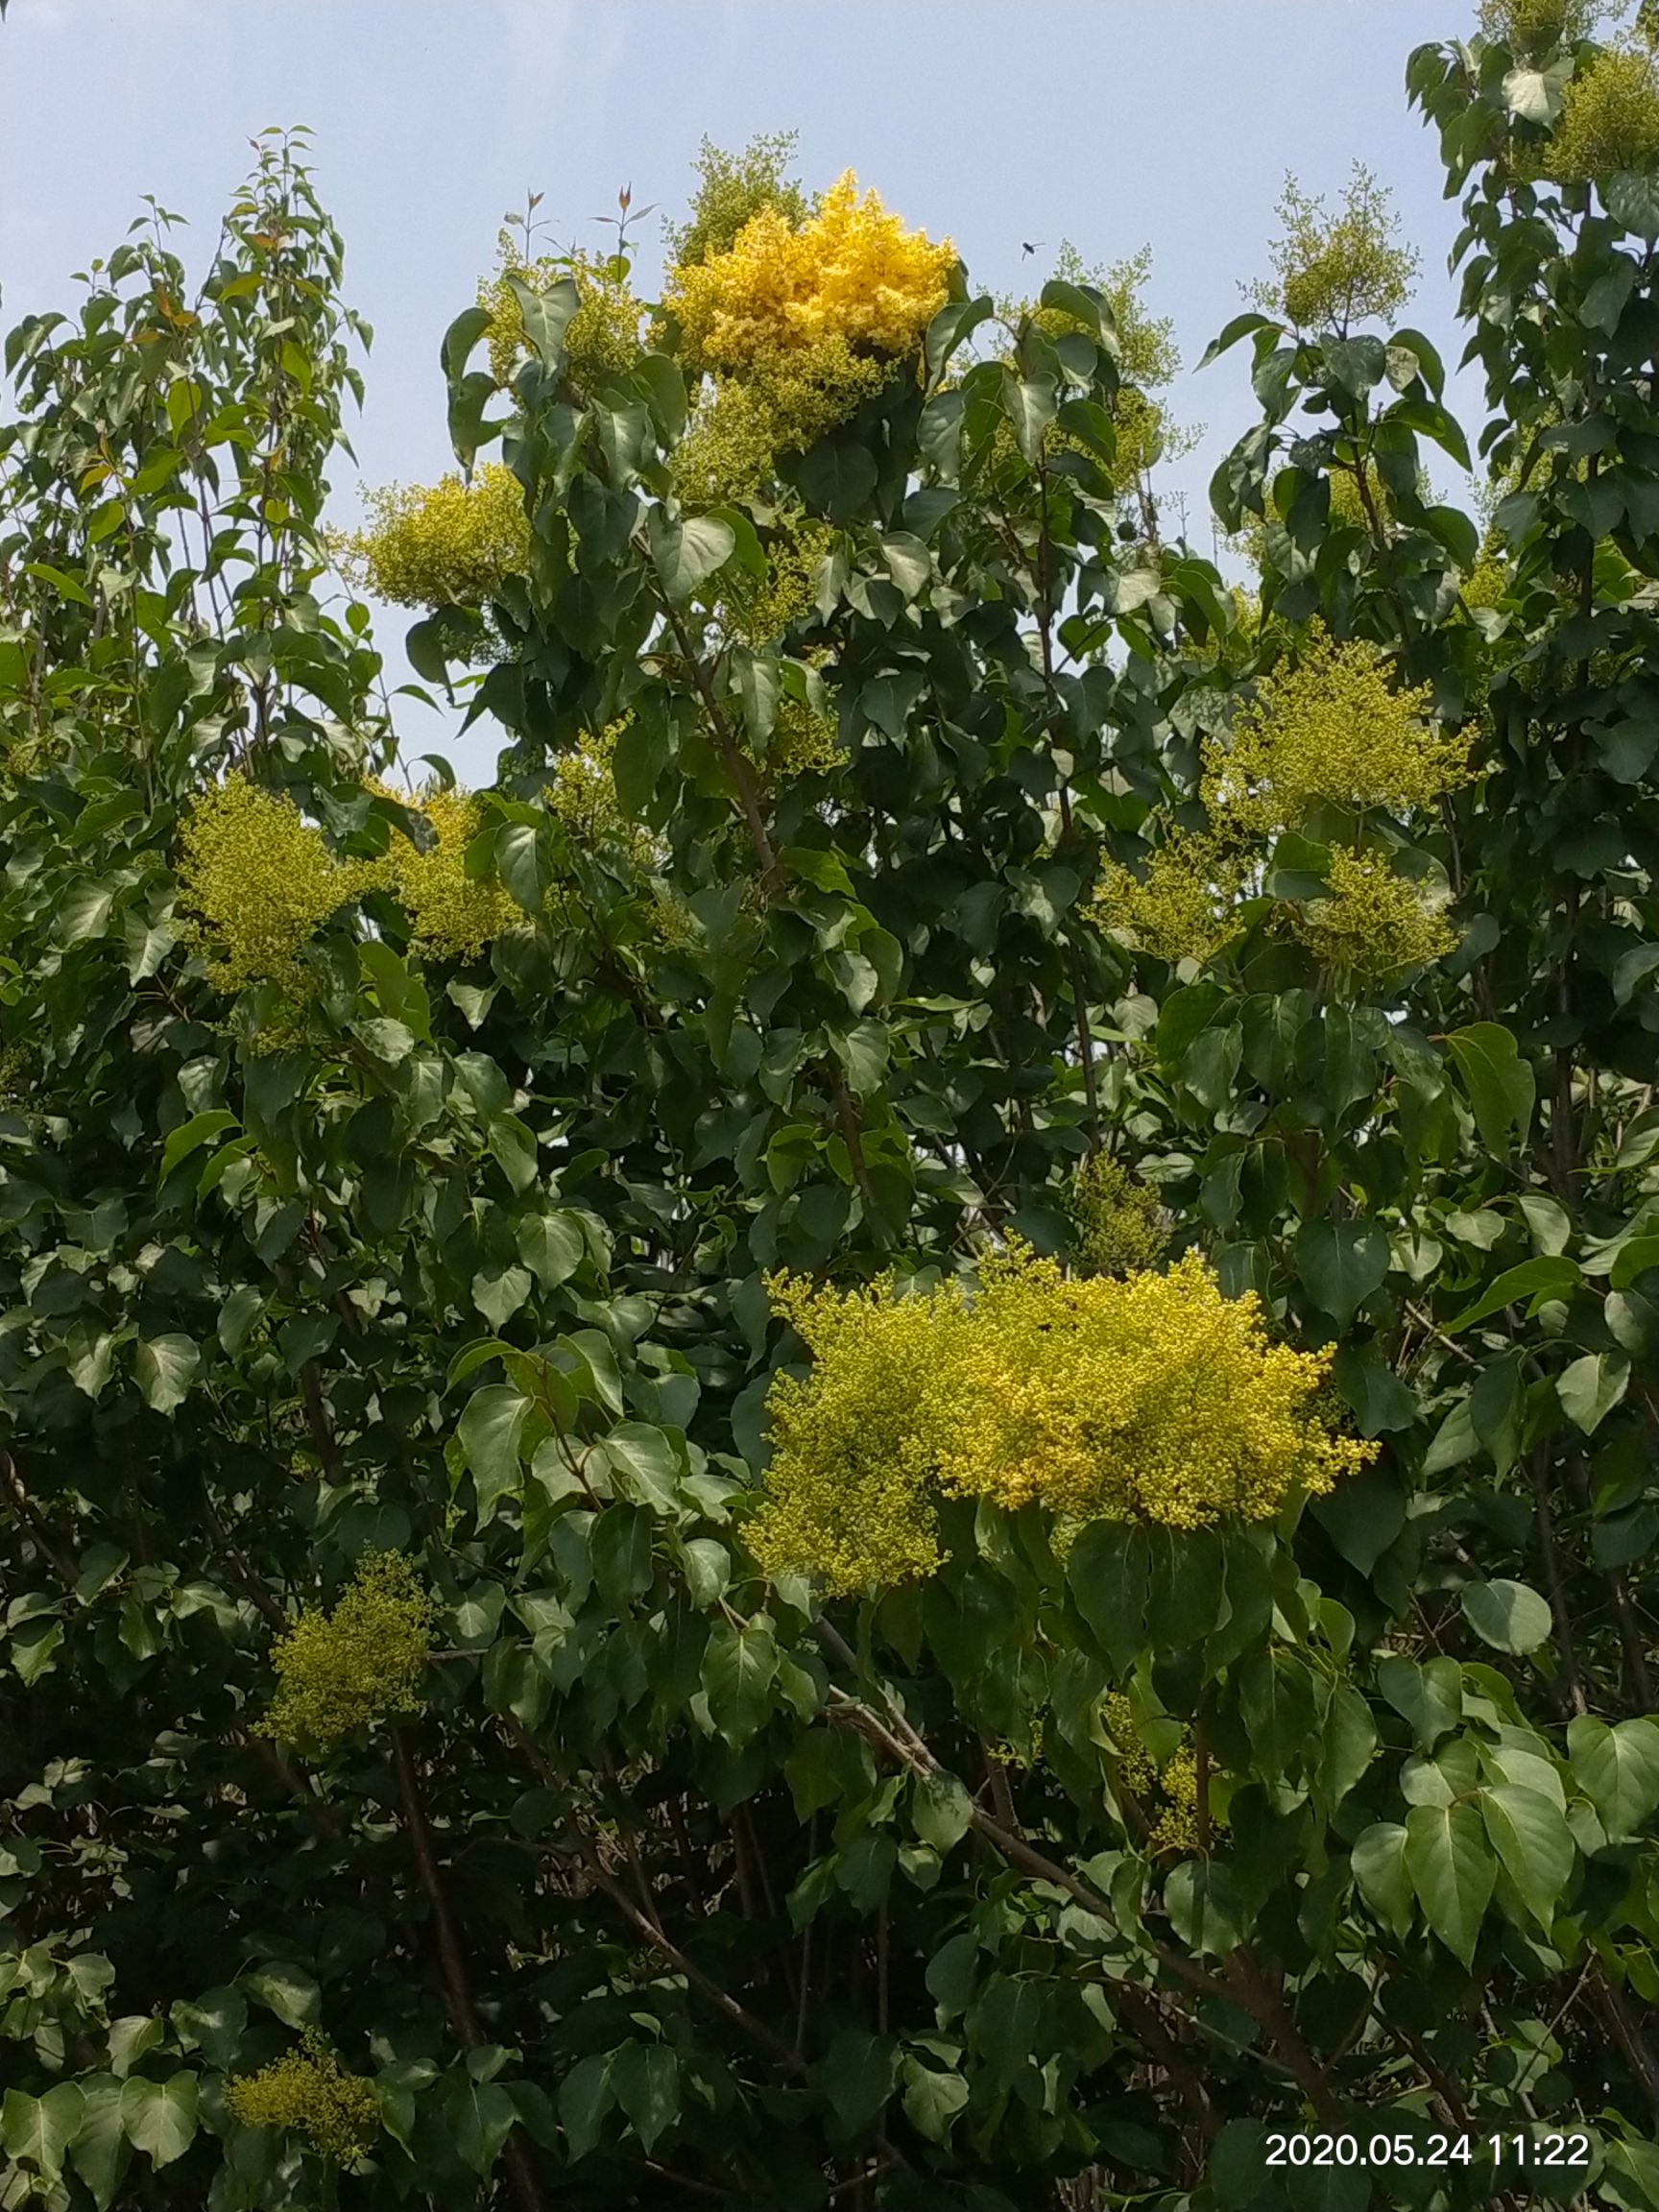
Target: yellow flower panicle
[[1182, 908], [258, 882], [308, 2092], [1176, 1826], [798, 321], [1374, 922], [732, 190], [450, 913], [1531, 28], [601, 339], [1117, 1224], [1609, 120], [1330, 729], [449, 543], [1151, 1397], [341, 1673], [1331, 272]]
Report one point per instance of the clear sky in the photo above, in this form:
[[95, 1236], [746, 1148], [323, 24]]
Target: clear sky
[[1115, 123]]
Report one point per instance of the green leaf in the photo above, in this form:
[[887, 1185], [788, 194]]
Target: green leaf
[[1530, 1836], [1632, 197], [1452, 1871], [480, 2115], [1552, 1275], [1509, 1616], [648, 1464], [164, 1368], [491, 1430], [1591, 1387], [739, 1667], [941, 1811], [159, 2117], [1030, 404], [41, 2128], [1428, 1696], [646, 2077], [1618, 1769], [546, 317], [686, 554], [932, 2100], [498, 1292], [515, 1148], [585, 2095], [1500, 1085], [857, 2073], [191, 1135], [1379, 1863], [1382, 1403], [1340, 1263], [98, 2153], [287, 1990], [837, 479], [1205, 1911]]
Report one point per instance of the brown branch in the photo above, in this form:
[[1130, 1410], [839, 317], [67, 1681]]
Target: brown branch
[[1628, 2036], [642, 1919], [63, 1566], [229, 1552], [731, 754], [451, 1958]]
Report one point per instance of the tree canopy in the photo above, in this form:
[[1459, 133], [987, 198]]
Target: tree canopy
[[888, 1440]]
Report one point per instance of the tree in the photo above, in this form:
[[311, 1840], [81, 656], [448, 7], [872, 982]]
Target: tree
[[888, 1438]]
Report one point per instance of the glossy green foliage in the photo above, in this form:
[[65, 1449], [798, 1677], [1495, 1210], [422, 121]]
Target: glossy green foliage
[[1064, 1876]]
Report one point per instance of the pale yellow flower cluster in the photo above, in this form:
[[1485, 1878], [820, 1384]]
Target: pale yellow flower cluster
[[339, 1672], [450, 913], [1374, 922], [307, 2092], [448, 544], [1326, 732], [258, 883], [1329, 726], [1149, 1397]]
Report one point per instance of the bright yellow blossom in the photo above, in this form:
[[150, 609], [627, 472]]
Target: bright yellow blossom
[[798, 321], [1151, 1397], [308, 2091]]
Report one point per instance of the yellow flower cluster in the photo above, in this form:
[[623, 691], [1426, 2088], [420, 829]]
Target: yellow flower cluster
[[1329, 729], [258, 883], [1373, 923], [582, 795], [1117, 1224], [339, 1672], [1151, 1397], [1182, 907], [798, 323], [443, 544], [1609, 120], [732, 190], [1176, 1827], [451, 914], [1331, 272], [308, 2091], [1531, 28], [601, 339]]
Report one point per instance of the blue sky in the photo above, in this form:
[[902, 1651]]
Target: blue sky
[[1115, 123]]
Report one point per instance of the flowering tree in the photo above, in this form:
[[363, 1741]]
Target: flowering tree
[[889, 1440]]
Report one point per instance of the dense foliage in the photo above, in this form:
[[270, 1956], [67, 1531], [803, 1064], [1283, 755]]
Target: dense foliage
[[890, 1439]]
